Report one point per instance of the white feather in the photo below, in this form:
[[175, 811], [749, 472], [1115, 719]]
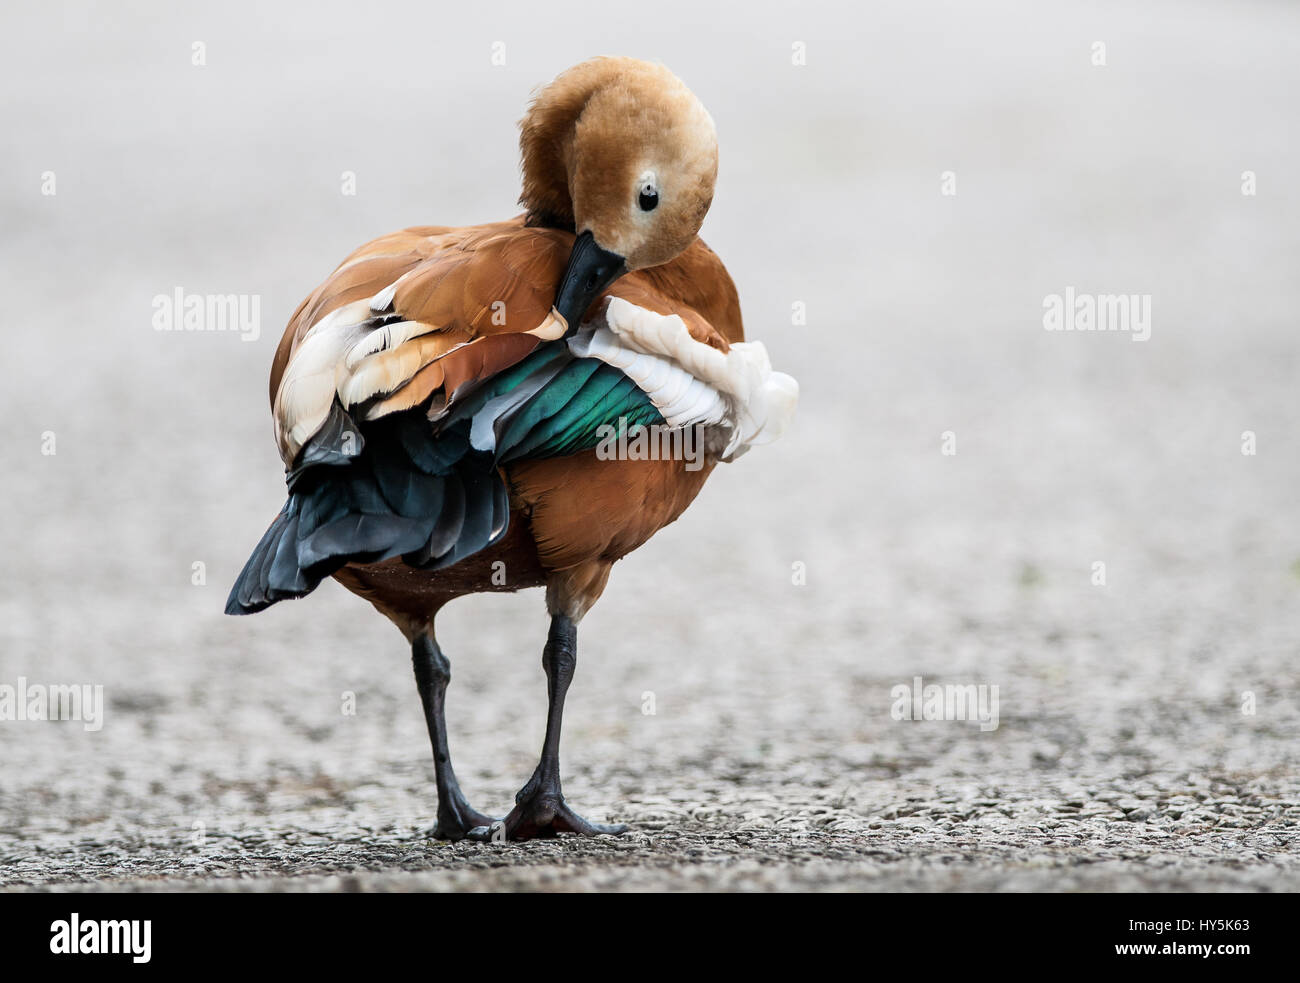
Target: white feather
[[384, 299], [310, 380], [690, 382], [386, 337]]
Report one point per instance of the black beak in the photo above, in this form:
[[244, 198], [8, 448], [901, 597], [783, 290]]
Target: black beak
[[590, 270]]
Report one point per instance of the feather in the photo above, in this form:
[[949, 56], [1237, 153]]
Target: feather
[[386, 371], [387, 335], [451, 519], [337, 442], [303, 400], [426, 338], [753, 402]]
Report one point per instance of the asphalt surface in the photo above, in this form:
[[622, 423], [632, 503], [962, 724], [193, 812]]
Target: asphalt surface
[[1147, 725]]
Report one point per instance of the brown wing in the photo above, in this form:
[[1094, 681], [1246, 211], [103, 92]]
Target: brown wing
[[418, 314], [413, 314]]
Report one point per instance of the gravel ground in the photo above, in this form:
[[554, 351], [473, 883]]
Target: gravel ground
[[1147, 726]]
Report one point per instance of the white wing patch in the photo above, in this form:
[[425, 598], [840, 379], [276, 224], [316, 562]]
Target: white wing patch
[[340, 356], [690, 382], [310, 381]]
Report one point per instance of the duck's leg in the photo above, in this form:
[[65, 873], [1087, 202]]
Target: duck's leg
[[432, 674], [540, 809]]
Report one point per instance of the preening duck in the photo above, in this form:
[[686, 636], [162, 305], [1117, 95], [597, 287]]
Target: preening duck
[[440, 401]]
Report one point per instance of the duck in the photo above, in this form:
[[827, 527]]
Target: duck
[[451, 402]]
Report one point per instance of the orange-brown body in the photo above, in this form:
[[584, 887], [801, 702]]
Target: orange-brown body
[[571, 517]]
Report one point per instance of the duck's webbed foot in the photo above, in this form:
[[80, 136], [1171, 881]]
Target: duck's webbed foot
[[540, 809], [540, 812], [457, 818]]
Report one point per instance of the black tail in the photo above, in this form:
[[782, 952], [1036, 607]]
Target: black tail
[[401, 494], [396, 487], [261, 583]]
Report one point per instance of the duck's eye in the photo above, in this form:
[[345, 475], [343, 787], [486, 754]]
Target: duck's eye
[[649, 198]]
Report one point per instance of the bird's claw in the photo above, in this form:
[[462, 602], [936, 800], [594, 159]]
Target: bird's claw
[[458, 822]]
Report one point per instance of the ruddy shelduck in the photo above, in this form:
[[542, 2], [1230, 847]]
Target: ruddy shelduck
[[466, 409]]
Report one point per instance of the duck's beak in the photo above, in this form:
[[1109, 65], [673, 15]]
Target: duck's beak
[[590, 270]]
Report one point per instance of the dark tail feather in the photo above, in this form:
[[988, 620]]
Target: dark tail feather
[[405, 494], [272, 573], [397, 486]]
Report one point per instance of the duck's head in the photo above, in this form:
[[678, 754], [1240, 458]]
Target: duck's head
[[623, 154]]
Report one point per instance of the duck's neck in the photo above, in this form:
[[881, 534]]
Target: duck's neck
[[546, 136]]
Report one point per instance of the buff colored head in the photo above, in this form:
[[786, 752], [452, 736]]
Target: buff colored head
[[622, 153]]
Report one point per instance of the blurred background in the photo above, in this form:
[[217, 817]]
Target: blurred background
[[837, 124]]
